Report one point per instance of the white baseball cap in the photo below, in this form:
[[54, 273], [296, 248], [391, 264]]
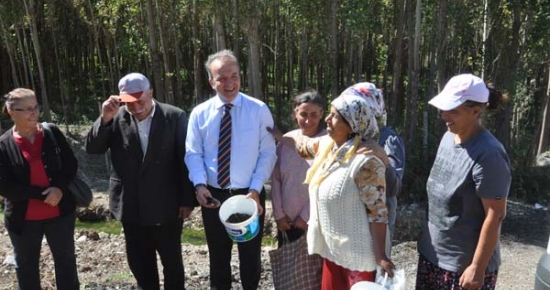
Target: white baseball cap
[[132, 86], [459, 89]]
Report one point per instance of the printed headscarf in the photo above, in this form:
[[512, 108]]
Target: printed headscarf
[[374, 97], [357, 109]]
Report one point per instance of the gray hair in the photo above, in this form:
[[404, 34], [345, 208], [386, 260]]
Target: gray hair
[[226, 55], [309, 97], [14, 96]]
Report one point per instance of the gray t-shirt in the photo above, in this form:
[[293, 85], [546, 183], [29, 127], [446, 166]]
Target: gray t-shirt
[[462, 174]]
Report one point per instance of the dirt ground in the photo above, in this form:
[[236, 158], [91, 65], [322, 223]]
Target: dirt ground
[[102, 261]]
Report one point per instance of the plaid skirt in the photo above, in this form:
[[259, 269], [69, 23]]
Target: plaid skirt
[[431, 277]]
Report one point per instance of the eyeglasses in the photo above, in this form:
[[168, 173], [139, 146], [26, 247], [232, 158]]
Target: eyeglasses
[[29, 110]]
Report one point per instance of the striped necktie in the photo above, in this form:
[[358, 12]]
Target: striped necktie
[[224, 147]]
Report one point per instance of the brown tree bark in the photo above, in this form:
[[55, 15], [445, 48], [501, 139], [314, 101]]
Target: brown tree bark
[[155, 56], [442, 45], [254, 72], [545, 124], [414, 78], [219, 31], [164, 44], [333, 36], [197, 61], [397, 92], [14, 75], [30, 9]]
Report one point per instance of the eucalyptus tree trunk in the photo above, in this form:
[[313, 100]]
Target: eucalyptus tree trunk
[[62, 87], [25, 55], [397, 92], [545, 124], [304, 60], [197, 60], [359, 62], [30, 9], [179, 60], [277, 63], [442, 45], [14, 75], [164, 39], [507, 78], [116, 74], [155, 56], [237, 43], [414, 77], [219, 32], [112, 61], [485, 17], [350, 67], [333, 24], [430, 92], [254, 72], [290, 59], [98, 50]]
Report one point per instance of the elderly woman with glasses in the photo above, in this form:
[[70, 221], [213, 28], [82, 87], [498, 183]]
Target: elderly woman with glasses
[[34, 176], [348, 215]]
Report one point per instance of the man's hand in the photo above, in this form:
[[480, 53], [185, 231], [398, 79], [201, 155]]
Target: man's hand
[[371, 147], [109, 109], [185, 212], [255, 195], [202, 194], [278, 135], [53, 195]]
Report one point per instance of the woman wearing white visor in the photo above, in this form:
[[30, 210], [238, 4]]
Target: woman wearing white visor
[[467, 191]]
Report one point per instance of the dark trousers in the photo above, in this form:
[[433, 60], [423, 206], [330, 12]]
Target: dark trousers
[[220, 246], [142, 245], [59, 233]]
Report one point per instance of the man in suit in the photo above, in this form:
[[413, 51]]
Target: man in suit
[[237, 122], [149, 191]]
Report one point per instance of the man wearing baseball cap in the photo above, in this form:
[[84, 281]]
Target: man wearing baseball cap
[[467, 189], [149, 189]]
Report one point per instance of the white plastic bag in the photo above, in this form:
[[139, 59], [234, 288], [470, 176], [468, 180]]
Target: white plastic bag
[[398, 281]]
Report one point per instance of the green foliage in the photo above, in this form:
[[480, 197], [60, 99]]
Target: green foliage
[[113, 227], [109, 227], [193, 237], [119, 277], [531, 184]]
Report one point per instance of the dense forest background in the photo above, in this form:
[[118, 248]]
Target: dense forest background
[[73, 52]]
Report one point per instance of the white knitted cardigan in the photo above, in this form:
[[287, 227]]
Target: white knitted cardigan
[[338, 225]]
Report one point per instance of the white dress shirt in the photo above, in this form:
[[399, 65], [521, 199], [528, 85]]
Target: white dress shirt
[[253, 151], [144, 128]]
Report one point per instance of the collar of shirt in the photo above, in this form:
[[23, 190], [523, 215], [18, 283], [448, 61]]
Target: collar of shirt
[[237, 102]]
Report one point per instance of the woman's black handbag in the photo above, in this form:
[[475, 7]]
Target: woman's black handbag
[[81, 192]]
